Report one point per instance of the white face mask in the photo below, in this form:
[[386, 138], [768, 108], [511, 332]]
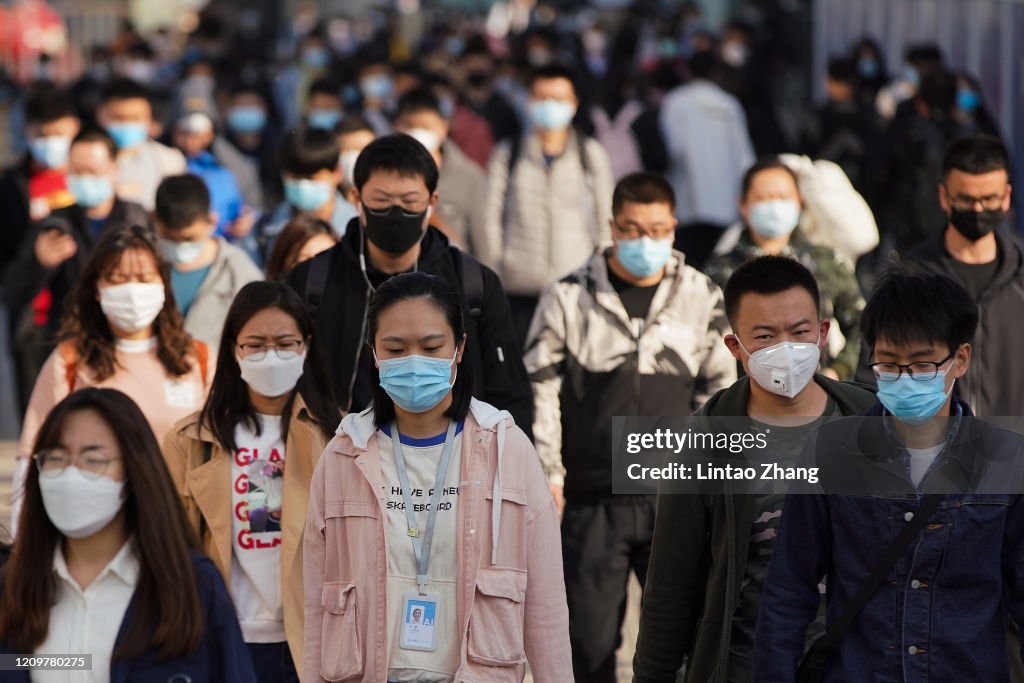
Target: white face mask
[[784, 368], [347, 165], [132, 306], [428, 138], [78, 506], [272, 376]]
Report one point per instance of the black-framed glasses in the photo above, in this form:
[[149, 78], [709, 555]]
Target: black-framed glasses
[[990, 203], [257, 351], [93, 463], [922, 371], [632, 233]]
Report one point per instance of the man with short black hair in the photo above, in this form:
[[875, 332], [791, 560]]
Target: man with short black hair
[[937, 600], [710, 552], [324, 106], [126, 112], [206, 271], [547, 202], [462, 182], [635, 331], [396, 182], [975, 194]]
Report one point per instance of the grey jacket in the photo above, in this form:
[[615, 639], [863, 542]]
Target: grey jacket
[[544, 221], [461, 189], [231, 270]]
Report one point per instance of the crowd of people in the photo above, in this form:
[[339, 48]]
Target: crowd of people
[[318, 348]]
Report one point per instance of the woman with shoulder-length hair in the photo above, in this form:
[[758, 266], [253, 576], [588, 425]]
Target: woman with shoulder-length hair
[[121, 329], [243, 465], [104, 562], [432, 549]]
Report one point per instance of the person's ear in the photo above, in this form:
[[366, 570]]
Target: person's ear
[[944, 199], [462, 348], [823, 329], [433, 201], [1008, 199], [733, 344], [962, 360], [214, 220]]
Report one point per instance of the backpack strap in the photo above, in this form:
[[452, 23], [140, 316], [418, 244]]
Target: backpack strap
[[69, 354], [203, 356], [471, 274], [316, 283]]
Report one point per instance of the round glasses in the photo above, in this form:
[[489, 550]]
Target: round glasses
[[257, 351], [922, 371], [93, 464]]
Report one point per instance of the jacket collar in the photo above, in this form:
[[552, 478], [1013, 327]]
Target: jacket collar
[[851, 398], [1010, 253], [201, 431]]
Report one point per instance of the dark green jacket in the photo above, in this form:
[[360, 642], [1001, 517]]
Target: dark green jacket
[[698, 559]]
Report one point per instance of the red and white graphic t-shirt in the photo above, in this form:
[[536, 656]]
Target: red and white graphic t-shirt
[[257, 477]]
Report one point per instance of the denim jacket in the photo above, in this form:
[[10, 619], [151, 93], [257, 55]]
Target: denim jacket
[[942, 612]]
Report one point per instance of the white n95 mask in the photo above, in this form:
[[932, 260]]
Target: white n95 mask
[[784, 368]]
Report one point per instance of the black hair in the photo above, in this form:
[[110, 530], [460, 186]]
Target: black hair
[[768, 275], [764, 164], [307, 151], [124, 89], [97, 135], [976, 155], [842, 70], [353, 123], [919, 307], [181, 200], [325, 86], [228, 404], [47, 103], [433, 291], [549, 72], [703, 64], [643, 188], [924, 54], [400, 154], [937, 89], [416, 101]]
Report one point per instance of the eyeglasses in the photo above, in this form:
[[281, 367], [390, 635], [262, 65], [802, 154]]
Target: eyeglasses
[[632, 233], [257, 351], [922, 371], [92, 463], [961, 203]]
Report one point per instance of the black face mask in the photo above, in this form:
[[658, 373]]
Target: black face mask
[[477, 79], [393, 230], [976, 224]]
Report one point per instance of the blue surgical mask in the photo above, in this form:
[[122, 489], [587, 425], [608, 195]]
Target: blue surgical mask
[[325, 119], [968, 101], [90, 190], [867, 67], [307, 195], [377, 87], [51, 151], [643, 256], [775, 217], [914, 401], [247, 119], [316, 57], [551, 114], [416, 383], [127, 135], [911, 76], [181, 253]]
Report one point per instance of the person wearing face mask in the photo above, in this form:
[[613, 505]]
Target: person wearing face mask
[[309, 161], [547, 198], [127, 114], [396, 182], [777, 336], [770, 206], [52, 256], [324, 106], [635, 331], [251, 129], [243, 466], [972, 249], [461, 183], [942, 611], [104, 561], [377, 86], [453, 504], [206, 270], [121, 330], [478, 70]]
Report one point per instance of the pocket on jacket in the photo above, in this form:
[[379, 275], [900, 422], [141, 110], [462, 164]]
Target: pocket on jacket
[[341, 643], [496, 622]]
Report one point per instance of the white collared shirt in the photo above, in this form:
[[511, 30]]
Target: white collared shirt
[[87, 622]]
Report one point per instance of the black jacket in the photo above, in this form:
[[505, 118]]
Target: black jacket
[[15, 210], [25, 277], [994, 384], [698, 560], [492, 349]]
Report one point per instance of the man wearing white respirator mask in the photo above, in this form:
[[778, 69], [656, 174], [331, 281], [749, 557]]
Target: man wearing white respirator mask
[[121, 330], [772, 303], [770, 206], [243, 466]]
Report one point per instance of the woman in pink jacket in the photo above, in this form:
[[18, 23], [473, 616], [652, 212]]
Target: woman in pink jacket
[[431, 550]]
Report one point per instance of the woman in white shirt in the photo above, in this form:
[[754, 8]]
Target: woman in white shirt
[[105, 563]]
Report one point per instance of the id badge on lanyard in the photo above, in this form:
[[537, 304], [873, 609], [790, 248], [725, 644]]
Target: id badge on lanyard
[[421, 609]]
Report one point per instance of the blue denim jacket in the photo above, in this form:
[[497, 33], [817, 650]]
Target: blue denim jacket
[[941, 613]]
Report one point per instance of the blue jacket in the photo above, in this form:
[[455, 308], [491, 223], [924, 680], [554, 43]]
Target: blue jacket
[[225, 196], [942, 612], [222, 656]]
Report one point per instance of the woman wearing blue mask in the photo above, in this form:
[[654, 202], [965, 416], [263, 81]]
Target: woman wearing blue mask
[[971, 110], [432, 547]]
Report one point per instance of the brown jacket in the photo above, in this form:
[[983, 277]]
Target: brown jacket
[[205, 489]]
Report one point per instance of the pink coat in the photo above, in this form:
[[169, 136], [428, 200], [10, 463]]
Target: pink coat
[[511, 603]]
